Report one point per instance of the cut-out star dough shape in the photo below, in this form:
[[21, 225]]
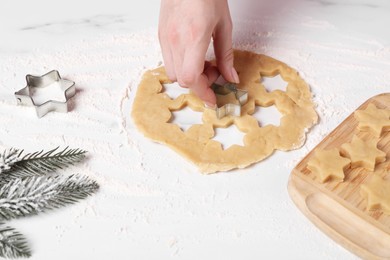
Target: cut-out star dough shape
[[328, 164], [377, 193], [363, 153], [373, 119]]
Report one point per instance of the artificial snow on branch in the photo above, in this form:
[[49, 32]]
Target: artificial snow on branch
[[31, 195], [29, 185], [8, 158], [40, 163], [12, 243]]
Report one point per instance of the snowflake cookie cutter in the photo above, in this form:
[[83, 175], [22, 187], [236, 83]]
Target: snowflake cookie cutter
[[233, 108], [25, 95]]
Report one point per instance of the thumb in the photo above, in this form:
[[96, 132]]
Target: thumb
[[224, 52], [204, 92]]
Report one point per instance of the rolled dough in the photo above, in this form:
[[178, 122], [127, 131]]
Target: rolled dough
[[152, 108]]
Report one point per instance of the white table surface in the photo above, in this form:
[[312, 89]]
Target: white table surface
[[153, 204]]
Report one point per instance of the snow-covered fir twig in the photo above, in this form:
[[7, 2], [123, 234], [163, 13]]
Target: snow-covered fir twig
[[31, 195], [40, 163], [26, 188], [8, 158], [12, 243]]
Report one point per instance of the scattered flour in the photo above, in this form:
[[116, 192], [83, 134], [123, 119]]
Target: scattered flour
[[149, 194]]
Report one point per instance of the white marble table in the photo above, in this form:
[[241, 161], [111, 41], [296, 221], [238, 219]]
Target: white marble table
[[152, 203]]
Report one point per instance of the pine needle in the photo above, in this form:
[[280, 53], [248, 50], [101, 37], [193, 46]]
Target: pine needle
[[26, 189], [12, 243], [31, 195], [8, 158], [41, 163]]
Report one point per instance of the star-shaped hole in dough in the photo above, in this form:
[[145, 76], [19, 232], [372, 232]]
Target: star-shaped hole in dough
[[328, 164], [373, 119], [377, 193], [363, 153]]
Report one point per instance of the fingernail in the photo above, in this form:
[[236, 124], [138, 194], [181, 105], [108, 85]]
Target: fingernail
[[210, 105], [235, 76]]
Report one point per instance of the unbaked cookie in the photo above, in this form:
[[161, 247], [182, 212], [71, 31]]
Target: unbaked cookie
[[377, 193], [152, 111], [328, 165], [363, 153], [373, 119]]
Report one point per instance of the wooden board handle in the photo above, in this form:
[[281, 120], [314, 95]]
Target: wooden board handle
[[339, 222], [349, 225]]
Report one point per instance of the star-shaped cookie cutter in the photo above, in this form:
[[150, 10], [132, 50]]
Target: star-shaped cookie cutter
[[230, 109], [24, 96]]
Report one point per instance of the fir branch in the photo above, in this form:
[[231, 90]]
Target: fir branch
[[40, 163], [31, 195], [9, 158], [12, 243]]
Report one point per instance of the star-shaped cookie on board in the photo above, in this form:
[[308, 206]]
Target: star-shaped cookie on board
[[328, 164], [373, 119], [363, 153], [377, 193]]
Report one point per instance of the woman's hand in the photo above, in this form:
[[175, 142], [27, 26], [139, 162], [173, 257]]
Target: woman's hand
[[186, 28]]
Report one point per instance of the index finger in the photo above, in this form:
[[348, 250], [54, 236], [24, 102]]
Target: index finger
[[192, 74]]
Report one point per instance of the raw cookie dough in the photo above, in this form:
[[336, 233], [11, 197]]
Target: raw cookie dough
[[363, 153], [377, 193], [152, 114], [373, 119], [328, 165]]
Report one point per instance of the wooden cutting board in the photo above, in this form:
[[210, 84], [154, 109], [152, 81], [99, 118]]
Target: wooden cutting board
[[338, 208]]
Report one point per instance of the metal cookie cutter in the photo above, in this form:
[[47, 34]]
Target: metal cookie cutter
[[25, 95], [233, 107]]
